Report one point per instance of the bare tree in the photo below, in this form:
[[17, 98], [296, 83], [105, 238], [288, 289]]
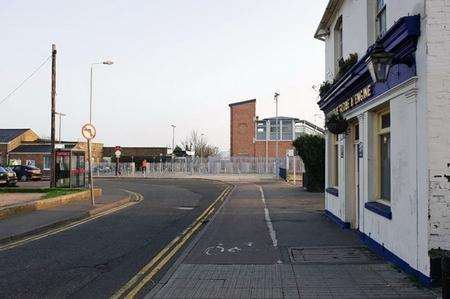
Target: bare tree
[[199, 144]]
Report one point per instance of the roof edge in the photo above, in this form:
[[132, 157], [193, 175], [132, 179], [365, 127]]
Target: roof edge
[[322, 29], [242, 102]]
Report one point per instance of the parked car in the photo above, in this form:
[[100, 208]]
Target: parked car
[[12, 177], [3, 176], [27, 173]]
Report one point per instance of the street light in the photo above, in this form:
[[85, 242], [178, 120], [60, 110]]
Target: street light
[[91, 181], [275, 97], [60, 122], [106, 62], [173, 144]]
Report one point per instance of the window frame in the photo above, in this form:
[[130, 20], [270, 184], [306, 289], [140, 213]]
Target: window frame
[[378, 134], [338, 44], [49, 162], [379, 12], [335, 161]]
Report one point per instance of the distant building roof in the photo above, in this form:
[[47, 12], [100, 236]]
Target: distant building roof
[[7, 135], [33, 148], [280, 118], [242, 102]]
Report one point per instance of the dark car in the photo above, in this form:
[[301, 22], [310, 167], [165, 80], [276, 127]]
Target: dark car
[[12, 177], [27, 173], [3, 176]]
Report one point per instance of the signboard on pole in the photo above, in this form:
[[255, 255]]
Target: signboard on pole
[[88, 131]]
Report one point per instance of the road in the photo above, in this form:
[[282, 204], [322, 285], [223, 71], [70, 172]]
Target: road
[[95, 259]]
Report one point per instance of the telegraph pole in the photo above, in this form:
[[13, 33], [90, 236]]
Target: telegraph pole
[[52, 133]]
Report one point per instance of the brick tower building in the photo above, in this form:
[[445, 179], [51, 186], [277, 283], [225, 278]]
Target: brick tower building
[[252, 137]]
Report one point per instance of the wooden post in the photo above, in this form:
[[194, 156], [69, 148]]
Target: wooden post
[[53, 110]]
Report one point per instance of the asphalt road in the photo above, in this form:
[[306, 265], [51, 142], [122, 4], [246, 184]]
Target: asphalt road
[[95, 259]]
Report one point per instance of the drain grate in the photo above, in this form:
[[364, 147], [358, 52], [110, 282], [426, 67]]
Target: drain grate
[[332, 255]]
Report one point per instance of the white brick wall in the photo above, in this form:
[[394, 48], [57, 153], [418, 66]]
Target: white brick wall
[[438, 120]]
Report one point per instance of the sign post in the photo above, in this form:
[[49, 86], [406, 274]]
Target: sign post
[[118, 153], [89, 132]]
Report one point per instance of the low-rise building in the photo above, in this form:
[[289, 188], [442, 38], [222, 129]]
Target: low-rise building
[[252, 137], [388, 175], [10, 139]]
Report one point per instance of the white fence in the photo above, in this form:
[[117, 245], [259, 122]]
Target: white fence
[[211, 165]]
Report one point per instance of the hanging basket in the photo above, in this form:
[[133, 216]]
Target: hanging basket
[[337, 124]]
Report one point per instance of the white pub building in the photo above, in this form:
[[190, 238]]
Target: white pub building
[[387, 103]]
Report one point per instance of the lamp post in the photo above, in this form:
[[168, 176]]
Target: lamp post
[[60, 123], [91, 181], [173, 144], [201, 150], [275, 97]]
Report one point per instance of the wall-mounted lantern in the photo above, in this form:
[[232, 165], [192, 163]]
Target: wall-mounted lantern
[[379, 63]]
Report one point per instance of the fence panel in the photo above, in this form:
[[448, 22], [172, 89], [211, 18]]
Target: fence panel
[[195, 165]]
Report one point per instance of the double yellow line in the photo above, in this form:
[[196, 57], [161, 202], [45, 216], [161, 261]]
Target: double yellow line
[[138, 281], [137, 198]]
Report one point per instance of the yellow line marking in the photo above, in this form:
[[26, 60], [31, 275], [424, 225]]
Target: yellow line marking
[[160, 260], [138, 196]]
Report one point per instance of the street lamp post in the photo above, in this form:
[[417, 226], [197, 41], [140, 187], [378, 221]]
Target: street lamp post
[[91, 181], [173, 144], [278, 131], [60, 123], [201, 150]]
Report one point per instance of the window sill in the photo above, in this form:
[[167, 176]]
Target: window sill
[[332, 191], [379, 208]]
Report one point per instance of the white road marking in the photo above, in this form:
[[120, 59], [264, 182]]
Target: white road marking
[[185, 208], [213, 248], [234, 249], [272, 232]]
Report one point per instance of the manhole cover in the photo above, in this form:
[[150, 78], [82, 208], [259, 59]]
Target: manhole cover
[[332, 255]]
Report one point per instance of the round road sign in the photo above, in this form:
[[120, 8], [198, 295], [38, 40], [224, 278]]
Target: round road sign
[[88, 131]]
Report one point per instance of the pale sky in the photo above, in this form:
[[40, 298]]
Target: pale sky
[[175, 62]]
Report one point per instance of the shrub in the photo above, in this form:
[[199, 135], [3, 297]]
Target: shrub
[[324, 88], [311, 148]]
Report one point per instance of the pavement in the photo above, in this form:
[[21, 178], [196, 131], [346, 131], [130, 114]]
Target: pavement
[[95, 258], [271, 240], [7, 199]]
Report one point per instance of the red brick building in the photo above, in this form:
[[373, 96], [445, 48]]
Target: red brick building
[[252, 137]]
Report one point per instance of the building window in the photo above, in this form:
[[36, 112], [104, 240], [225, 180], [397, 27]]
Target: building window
[[46, 162], [286, 130], [261, 131], [274, 130], [384, 155], [381, 18], [335, 161], [338, 44]]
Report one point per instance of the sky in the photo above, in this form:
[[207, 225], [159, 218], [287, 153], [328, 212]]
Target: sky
[[176, 62]]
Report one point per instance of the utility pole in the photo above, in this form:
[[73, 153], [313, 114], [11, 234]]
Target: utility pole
[[278, 131], [52, 130]]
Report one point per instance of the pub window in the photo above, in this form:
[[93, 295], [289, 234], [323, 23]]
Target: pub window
[[335, 161], [338, 44], [381, 18], [384, 154]]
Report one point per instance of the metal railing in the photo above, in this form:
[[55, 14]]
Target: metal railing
[[195, 165]]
